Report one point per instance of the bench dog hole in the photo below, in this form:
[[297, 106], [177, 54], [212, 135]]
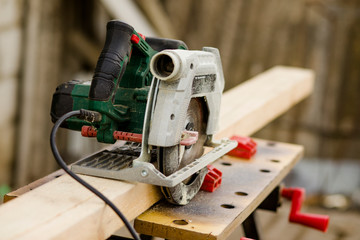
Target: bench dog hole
[[181, 222], [226, 163], [228, 206], [241, 193], [275, 160]]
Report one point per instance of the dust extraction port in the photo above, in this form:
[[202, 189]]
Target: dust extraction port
[[163, 65]]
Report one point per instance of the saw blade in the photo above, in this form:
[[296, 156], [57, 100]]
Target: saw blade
[[176, 157]]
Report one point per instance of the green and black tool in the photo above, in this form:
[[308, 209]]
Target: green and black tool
[[161, 99]]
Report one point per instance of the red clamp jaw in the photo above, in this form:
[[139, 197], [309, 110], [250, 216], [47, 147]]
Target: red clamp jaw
[[246, 147], [297, 195], [212, 179]]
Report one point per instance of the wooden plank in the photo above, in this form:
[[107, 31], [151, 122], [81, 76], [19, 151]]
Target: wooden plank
[[158, 17], [180, 14], [11, 40], [33, 185], [62, 208], [10, 49], [42, 58], [8, 100], [7, 145], [245, 184], [85, 47], [250, 106], [11, 13], [128, 10]]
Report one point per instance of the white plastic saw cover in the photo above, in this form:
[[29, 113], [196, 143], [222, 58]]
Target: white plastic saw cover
[[195, 74]]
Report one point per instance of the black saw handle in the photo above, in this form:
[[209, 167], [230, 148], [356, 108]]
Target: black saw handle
[[112, 61]]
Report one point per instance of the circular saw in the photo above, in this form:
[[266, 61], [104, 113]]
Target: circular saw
[[160, 98], [188, 100]]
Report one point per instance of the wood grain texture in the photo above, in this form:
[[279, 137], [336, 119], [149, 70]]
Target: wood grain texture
[[154, 11], [251, 105], [63, 209], [204, 217], [33, 185], [41, 60], [11, 37], [129, 11]]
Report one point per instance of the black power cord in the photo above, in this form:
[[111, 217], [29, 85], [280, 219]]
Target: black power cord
[[60, 161]]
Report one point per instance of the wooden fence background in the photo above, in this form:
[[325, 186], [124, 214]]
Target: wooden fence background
[[254, 35], [44, 43]]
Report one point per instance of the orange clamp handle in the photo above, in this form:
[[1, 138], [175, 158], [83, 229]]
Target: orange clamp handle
[[297, 195], [88, 131]]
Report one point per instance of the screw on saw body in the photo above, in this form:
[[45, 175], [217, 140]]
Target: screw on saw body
[[144, 173]]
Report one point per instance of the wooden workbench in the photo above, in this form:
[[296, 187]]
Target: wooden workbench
[[245, 184], [62, 209]]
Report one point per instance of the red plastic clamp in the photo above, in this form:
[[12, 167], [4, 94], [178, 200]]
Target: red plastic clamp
[[88, 131], [246, 147], [297, 195], [212, 179]]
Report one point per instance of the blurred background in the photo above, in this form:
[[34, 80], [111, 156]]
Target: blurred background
[[44, 43]]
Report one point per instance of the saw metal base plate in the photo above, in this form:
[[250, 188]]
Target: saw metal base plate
[[122, 165]]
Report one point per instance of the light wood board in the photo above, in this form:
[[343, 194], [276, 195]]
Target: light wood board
[[63, 209], [204, 217], [246, 108], [33, 185]]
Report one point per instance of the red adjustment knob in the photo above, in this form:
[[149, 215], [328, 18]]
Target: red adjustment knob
[[246, 147], [297, 195], [135, 39], [88, 131], [212, 179]]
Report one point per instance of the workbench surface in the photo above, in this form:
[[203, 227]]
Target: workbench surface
[[245, 184]]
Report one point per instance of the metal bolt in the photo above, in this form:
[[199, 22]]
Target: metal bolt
[[144, 173]]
